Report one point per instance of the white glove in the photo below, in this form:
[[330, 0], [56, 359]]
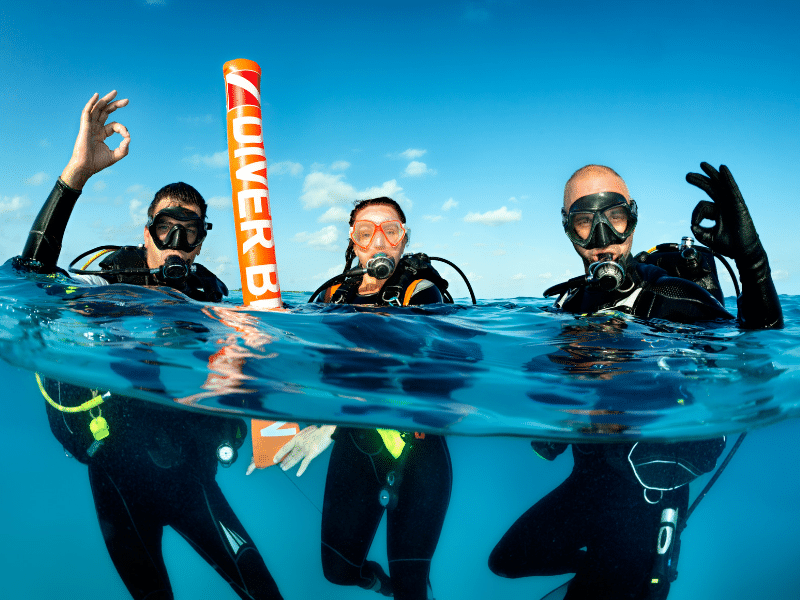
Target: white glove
[[305, 446]]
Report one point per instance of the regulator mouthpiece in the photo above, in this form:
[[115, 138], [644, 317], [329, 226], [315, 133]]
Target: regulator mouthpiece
[[606, 274], [380, 266], [174, 270]]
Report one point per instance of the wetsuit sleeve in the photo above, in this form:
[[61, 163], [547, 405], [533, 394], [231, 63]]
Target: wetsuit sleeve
[[422, 292], [44, 240], [759, 306]]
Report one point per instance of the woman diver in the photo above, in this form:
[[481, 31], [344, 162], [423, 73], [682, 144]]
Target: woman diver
[[372, 471]]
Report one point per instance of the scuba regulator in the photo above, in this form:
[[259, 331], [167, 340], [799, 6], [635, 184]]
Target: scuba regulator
[[606, 273]]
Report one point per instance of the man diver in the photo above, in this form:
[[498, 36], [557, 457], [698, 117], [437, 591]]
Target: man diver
[[157, 466], [602, 523]]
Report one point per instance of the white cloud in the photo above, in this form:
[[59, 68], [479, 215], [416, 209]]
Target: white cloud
[[335, 214], [327, 189], [780, 274], [12, 204], [45, 143], [99, 186], [499, 252], [214, 161], [340, 165], [474, 276], [432, 218], [494, 217], [390, 189], [518, 277], [418, 169], [545, 276], [449, 204], [37, 179], [135, 188], [138, 212], [220, 202], [222, 264], [285, 167], [413, 153], [321, 189], [324, 239]]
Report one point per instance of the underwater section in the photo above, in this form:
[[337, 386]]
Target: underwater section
[[507, 367]]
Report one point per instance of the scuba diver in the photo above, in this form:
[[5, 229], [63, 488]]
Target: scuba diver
[[617, 517], [375, 471], [149, 465]]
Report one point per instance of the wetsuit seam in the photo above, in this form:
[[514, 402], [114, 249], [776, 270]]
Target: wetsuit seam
[[349, 562], [410, 559]]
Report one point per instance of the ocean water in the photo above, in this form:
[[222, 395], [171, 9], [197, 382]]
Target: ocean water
[[490, 377]]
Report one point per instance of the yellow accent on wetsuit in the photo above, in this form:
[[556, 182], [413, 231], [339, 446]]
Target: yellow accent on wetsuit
[[393, 441]]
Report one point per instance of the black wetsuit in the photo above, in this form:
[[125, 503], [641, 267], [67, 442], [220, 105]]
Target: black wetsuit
[[598, 524], [158, 465], [351, 513]]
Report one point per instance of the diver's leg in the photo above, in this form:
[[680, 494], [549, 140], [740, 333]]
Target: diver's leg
[[205, 519], [415, 524], [547, 539], [351, 512], [132, 534], [622, 547]]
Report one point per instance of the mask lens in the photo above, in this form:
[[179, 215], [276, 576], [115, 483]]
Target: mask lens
[[582, 224], [618, 217], [362, 233], [393, 230]]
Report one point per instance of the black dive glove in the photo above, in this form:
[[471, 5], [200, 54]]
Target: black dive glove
[[734, 235]]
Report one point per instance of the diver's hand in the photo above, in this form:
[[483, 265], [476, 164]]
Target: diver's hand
[[733, 234], [91, 154], [305, 446]]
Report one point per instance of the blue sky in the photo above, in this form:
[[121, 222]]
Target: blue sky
[[471, 114]]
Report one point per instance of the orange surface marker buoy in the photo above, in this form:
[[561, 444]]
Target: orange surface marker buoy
[[254, 240]]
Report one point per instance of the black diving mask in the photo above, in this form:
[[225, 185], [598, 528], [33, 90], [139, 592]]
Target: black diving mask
[[600, 220], [177, 228]]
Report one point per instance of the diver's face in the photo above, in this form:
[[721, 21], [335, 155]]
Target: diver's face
[[377, 214], [591, 183], [156, 257]]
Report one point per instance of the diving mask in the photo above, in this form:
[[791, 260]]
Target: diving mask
[[363, 233], [600, 220], [177, 228]]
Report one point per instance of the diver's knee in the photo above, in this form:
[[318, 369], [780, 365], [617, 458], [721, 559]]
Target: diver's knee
[[337, 570], [499, 566]]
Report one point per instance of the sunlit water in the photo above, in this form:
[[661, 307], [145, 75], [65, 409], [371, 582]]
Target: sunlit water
[[477, 374]]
